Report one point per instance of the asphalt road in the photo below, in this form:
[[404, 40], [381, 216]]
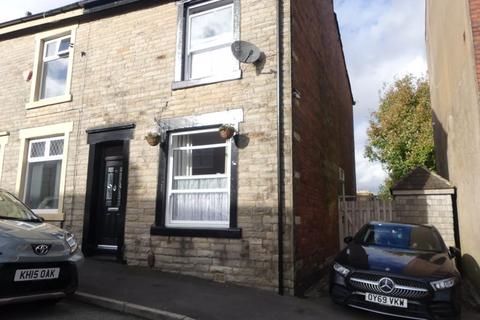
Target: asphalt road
[[65, 309]]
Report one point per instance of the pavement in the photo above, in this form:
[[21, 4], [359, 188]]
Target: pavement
[[155, 295]]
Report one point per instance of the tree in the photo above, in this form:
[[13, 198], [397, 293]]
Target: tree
[[400, 135]]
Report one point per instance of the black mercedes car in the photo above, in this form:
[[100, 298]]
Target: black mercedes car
[[401, 270]]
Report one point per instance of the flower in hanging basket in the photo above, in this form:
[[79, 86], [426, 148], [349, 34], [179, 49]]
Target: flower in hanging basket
[[226, 131], [153, 138]]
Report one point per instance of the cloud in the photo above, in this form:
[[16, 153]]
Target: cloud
[[13, 9], [382, 40]]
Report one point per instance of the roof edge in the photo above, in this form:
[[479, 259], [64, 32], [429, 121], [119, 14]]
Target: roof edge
[[76, 9], [45, 14]]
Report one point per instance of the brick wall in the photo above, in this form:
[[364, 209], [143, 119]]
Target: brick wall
[[125, 75], [322, 135]]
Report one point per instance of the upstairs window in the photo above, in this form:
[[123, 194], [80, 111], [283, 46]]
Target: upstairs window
[[209, 37], [55, 67], [207, 32], [52, 70]]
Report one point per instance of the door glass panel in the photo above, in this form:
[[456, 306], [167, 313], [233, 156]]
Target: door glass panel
[[109, 186], [119, 191]]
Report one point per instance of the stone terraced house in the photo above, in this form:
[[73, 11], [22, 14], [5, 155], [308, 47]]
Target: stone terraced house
[[82, 85]]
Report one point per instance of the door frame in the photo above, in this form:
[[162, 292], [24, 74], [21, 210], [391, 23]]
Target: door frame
[[96, 138]]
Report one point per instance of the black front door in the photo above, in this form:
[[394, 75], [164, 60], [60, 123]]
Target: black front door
[[108, 220], [107, 185], [109, 210]]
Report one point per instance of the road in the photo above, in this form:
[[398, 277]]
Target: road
[[66, 309], [73, 310]]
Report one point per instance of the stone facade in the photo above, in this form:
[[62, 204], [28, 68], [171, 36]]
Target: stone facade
[[123, 69]]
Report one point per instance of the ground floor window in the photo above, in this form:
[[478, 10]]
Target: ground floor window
[[198, 174], [197, 177], [42, 166], [42, 183]]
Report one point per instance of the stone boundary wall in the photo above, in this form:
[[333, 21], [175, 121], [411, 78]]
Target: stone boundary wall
[[432, 209]]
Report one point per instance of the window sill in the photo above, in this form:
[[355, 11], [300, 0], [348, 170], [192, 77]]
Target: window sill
[[51, 216], [232, 233], [49, 101], [176, 85]]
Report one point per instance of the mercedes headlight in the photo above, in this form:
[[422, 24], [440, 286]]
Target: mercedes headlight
[[341, 269], [72, 242], [443, 284]]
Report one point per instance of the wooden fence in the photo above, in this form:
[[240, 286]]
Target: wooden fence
[[354, 213]]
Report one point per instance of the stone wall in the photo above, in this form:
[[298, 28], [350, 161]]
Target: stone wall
[[431, 209]]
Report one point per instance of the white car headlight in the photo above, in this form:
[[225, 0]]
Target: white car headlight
[[341, 269], [443, 284], [72, 242]]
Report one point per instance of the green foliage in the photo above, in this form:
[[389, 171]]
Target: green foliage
[[400, 135], [384, 190]]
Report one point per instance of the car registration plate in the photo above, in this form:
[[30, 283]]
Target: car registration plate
[[36, 274], [386, 301]]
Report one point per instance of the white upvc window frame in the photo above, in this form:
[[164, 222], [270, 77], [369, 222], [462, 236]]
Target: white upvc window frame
[[183, 57], [50, 131], [41, 41], [169, 190], [44, 158], [214, 45]]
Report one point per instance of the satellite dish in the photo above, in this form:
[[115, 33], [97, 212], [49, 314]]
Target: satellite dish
[[245, 52]]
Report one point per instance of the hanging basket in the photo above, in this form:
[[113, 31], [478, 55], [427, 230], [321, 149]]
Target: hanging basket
[[226, 131], [152, 139]]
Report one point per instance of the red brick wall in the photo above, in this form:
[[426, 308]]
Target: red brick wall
[[475, 20], [323, 135]]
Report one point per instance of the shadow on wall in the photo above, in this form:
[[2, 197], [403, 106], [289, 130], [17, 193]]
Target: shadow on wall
[[470, 267], [440, 137]]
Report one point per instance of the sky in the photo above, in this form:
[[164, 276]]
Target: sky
[[382, 40]]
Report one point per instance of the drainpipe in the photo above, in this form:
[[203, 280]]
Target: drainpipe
[[280, 155]]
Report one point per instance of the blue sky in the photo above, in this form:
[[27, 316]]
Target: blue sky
[[382, 39]]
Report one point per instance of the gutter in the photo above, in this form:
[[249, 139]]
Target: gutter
[[88, 6], [280, 155], [41, 15]]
